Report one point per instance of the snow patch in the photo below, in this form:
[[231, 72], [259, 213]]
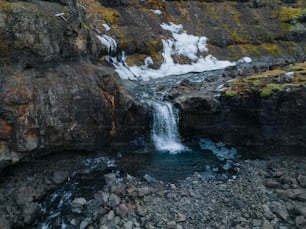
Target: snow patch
[[245, 60], [157, 12], [180, 44]]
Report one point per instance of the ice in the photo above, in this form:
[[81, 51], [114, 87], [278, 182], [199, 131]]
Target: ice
[[172, 27], [108, 42], [106, 27], [221, 151]]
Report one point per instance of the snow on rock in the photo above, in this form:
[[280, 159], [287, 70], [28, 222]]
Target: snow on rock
[[157, 12], [245, 60], [108, 42], [181, 44]]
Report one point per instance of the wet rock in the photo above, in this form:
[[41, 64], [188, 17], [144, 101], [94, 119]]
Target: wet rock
[[279, 209]]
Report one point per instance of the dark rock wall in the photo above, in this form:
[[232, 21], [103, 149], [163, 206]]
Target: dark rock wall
[[266, 125], [54, 94]]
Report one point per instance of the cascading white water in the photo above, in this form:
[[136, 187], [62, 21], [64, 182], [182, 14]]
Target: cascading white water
[[165, 133]]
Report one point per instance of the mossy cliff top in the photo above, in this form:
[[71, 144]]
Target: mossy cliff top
[[267, 83], [233, 28]]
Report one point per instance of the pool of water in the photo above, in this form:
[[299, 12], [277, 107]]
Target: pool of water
[[213, 160]]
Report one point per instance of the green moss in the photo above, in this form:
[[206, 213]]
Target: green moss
[[230, 93], [110, 15], [287, 14], [272, 49], [86, 27], [8, 6], [269, 89], [267, 83]]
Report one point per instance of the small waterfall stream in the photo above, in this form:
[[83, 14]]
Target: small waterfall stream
[[165, 134]]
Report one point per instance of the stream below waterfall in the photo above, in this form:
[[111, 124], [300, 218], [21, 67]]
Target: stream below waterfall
[[166, 158]]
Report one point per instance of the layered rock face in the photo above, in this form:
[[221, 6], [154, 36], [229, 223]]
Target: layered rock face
[[264, 112], [54, 95]]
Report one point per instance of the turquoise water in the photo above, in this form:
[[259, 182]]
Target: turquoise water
[[212, 159]]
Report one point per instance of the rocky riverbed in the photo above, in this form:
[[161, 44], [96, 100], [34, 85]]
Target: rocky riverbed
[[265, 193]]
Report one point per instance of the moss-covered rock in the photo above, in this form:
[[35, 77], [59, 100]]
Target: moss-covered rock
[[269, 82]]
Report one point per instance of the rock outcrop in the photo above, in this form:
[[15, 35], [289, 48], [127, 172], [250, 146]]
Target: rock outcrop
[[54, 94], [264, 112]]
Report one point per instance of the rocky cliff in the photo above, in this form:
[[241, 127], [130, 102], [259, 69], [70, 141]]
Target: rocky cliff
[[54, 94], [58, 92], [264, 112]]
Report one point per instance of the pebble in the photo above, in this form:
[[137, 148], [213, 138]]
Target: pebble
[[111, 215], [122, 210], [270, 183], [267, 225], [84, 224], [257, 223], [141, 192], [171, 224], [141, 210], [114, 200], [180, 217], [78, 204], [280, 210], [128, 225], [150, 179]]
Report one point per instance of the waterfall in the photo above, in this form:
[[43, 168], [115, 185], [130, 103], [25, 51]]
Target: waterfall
[[165, 133]]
